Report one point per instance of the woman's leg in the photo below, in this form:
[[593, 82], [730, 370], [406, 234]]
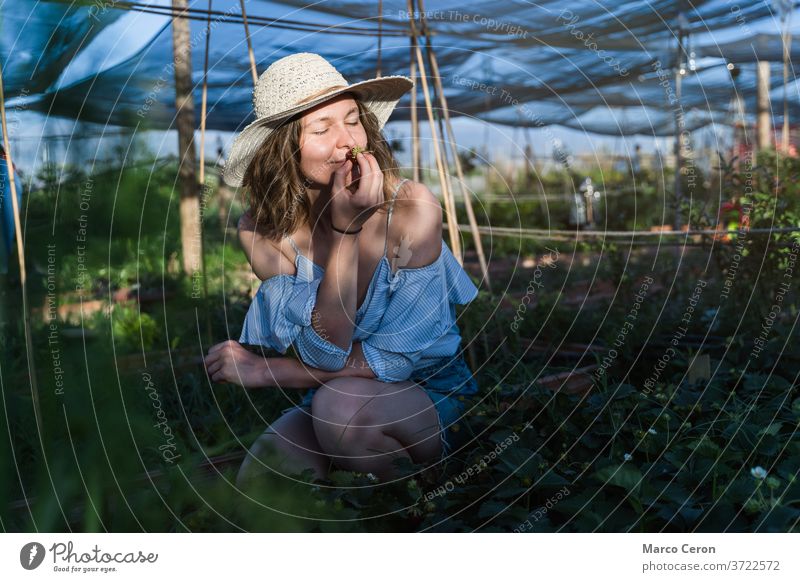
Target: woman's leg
[[292, 439], [365, 424]]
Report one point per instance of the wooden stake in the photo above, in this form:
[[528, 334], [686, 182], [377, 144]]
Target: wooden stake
[[787, 43], [415, 157], [184, 121], [204, 101], [455, 242], [380, 36], [254, 281], [23, 277], [203, 189], [473, 223], [249, 45]]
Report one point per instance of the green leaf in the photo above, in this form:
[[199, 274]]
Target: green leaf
[[704, 446], [550, 479], [690, 514], [773, 429], [492, 509], [626, 476], [523, 461]]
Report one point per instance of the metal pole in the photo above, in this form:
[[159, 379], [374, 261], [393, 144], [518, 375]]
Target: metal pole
[[679, 124], [763, 113], [787, 44]]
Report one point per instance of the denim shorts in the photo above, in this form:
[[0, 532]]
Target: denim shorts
[[448, 382]]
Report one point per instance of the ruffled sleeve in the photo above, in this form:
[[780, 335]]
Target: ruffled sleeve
[[418, 313], [280, 315]]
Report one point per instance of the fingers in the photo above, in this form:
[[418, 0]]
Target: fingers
[[340, 176], [213, 369], [215, 348], [371, 177], [357, 189], [217, 357], [214, 363], [368, 165], [373, 163]]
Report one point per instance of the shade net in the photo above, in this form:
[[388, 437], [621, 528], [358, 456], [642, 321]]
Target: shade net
[[604, 67]]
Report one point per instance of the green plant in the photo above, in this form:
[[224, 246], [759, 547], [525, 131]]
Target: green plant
[[133, 329]]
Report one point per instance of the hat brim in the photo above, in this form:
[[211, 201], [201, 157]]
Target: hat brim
[[379, 95]]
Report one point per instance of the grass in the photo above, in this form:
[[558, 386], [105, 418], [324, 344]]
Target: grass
[[714, 452]]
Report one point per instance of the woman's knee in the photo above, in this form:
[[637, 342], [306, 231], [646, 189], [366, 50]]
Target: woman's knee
[[344, 423], [337, 405]]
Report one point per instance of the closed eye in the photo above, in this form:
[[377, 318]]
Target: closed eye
[[325, 130]]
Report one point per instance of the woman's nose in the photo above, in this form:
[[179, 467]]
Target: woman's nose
[[346, 138]]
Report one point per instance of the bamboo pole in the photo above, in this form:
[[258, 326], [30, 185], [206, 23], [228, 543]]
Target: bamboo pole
[[204, 101], [451, 199], [203, 113], [249, 45], [454, 148], [455, 242], [415, 157], [23, 276], [380, 36], [439, 121], [254, 282]]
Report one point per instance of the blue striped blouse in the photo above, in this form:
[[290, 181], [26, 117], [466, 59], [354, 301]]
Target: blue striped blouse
[[406, 322]]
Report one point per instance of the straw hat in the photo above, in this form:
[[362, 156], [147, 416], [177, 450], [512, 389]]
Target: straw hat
[[299, 82]]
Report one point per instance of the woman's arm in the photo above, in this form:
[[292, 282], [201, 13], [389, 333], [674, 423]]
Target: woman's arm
[[230, 362], [264, 257], [296, 374], [334, 313], [335, 309]]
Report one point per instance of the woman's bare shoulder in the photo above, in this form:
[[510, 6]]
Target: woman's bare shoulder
[[417, 223], [267, 257], [416, 199]]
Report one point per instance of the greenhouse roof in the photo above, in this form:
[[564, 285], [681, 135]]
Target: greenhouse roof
[[604, 67]]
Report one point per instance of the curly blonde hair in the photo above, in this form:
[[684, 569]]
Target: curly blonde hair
[[276, 186]]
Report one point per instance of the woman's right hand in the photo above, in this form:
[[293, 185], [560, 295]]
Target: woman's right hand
[[351, 208], [230, 362]]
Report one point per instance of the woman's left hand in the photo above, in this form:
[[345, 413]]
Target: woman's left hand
[[357, 193], [230, 362]]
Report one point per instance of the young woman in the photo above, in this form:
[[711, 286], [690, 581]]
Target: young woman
[[356, 279]]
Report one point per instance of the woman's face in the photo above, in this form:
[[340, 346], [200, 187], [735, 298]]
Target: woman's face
[[328, 132]]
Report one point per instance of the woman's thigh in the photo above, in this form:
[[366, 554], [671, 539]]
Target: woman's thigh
[[401, 410], [292, 437]]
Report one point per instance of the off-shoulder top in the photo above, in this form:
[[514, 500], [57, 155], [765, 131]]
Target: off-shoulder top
[[407, 320]]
